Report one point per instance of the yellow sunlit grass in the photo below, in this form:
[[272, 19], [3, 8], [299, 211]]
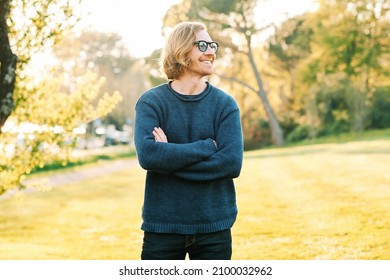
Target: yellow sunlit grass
[[325, 201]]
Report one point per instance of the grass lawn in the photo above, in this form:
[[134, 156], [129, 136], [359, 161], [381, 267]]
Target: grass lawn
[[323, 201]]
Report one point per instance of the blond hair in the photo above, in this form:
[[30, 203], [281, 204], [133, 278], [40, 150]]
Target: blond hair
[[174, 57]]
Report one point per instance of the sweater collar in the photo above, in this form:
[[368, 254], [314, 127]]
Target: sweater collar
[[187, 97]]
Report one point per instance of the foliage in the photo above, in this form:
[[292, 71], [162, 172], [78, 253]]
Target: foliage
[[335, 98], [286, 48], [351, 33], [36, 25], [380, 113], [335, 58], [289, 44], [106, 55], [256, 134], [27, 27], [299, 133], [41, 129]]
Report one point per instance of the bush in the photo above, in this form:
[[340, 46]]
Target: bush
[[300, 132], [380, 110], [257, 135]]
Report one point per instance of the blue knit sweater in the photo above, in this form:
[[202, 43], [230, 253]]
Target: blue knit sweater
[[189, 182]]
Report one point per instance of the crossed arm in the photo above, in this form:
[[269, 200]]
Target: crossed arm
[[159, 136], [225, 163], [202, 160]]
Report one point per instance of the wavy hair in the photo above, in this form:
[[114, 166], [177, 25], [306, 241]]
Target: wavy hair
[[174, 57]]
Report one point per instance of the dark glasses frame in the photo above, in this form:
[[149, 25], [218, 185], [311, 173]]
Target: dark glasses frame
[[203, 45]]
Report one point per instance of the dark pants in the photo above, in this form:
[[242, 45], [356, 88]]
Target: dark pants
[[201, 246]]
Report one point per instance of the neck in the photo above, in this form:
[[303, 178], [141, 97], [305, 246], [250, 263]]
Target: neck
[[188, 86]]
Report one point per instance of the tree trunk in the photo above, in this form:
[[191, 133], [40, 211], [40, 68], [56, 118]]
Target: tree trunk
[[8, 62], [276, 131]]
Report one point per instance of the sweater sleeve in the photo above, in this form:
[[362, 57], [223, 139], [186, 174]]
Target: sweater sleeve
[[164, 157], [226, 163]]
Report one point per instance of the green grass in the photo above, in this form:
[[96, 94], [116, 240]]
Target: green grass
[[328, 201], [344, 137], [94, 219], [322, 201]]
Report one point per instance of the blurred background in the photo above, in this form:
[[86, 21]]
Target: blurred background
[[72, 71], [298, 69]]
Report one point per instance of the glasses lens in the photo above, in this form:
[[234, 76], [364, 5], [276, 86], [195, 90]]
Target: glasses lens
[[202, 46], [214, 46]]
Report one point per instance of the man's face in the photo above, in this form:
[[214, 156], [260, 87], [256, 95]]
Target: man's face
[[201, 62]]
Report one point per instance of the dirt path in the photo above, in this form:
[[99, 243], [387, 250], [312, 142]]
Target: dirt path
[[69, 177], [74, 176]]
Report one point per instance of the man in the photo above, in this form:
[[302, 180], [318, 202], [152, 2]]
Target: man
[[188, 137]]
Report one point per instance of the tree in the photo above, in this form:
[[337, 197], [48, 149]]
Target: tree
[[287, 46], [226, 21], [349, 41], [352, 35], [7, 66], [39, 117], [28, 26]]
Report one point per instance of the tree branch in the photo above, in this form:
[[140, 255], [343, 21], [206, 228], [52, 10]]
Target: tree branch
[[233, 79]]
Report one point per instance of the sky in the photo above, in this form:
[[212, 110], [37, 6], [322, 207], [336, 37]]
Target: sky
[[139, 22]]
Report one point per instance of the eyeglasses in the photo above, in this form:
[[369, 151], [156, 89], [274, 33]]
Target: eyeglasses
[[202, 46]]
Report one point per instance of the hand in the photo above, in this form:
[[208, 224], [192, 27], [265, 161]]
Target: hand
[[159, 135]]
